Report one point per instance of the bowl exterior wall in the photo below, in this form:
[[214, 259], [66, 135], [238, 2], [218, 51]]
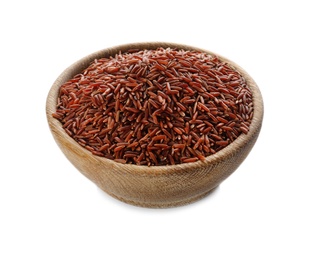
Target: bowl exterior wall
[[178, 186]]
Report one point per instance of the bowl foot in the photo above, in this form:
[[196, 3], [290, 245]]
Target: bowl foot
[[164, 204]]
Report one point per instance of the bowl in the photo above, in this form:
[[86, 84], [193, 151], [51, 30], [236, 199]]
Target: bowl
[[154, 186]]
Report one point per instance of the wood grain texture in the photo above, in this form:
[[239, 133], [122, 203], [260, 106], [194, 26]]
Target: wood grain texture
[[155, 186]]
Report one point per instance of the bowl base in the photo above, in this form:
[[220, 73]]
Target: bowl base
[[164, 204]]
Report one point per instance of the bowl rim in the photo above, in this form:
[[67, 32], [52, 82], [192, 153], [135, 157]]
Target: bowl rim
[[78, 66]]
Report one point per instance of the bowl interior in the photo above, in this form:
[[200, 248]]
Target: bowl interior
[[84, 62]]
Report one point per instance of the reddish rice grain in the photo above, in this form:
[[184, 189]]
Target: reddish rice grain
[[156, 107]]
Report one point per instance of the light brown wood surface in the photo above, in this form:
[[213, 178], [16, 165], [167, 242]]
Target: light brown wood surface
[[155, 186]]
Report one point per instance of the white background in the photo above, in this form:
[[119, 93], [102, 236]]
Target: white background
[[263, 211]]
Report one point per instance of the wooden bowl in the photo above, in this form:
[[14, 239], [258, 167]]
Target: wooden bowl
[[154, 186]]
